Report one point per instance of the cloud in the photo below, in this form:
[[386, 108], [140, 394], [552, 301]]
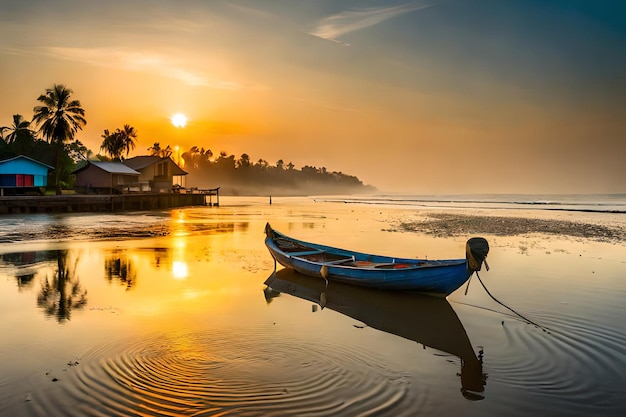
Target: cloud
[[332, 27], [152, 63]]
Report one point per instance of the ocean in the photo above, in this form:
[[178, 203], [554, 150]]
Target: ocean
[[600, 203]]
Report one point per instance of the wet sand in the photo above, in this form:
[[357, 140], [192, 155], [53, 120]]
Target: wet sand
[[449, 225]]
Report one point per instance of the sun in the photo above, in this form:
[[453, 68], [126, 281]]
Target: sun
[[179, 120]]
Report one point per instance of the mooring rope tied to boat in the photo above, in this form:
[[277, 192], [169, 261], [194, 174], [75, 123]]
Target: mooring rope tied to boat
[[527, 320]]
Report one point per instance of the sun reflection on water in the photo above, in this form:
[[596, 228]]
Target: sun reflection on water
[[180, 231], [179, 269]]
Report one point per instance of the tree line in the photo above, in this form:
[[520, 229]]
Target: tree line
[[50, 137], [243, 176]]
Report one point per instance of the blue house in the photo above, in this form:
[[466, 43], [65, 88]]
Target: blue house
[[22, 173]]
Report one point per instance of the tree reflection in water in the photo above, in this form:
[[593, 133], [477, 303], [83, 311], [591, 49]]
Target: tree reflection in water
[[63, 293], [118, 267]]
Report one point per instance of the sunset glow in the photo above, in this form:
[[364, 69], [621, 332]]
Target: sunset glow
[[405, 95]]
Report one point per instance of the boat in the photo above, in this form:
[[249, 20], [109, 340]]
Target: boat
[[429, 321], [437, 277]]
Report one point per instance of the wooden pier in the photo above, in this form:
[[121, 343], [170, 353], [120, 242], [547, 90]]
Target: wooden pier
[[209, 192], [107, 203]]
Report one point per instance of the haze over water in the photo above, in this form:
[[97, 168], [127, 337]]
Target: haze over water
[[168, 313]]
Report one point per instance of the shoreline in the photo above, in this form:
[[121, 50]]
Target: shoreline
[[436, 221], [82, 203]]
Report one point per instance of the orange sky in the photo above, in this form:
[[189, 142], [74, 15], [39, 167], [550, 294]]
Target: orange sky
[[451, 96]]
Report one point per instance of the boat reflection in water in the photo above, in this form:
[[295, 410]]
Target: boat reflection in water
[[430, 321]]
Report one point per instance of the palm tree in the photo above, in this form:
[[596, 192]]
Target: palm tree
[[108, 143], [59, 118], [120, 142], [155, 150], [127, 137], [62, 293], [20, 138], [167, 152]]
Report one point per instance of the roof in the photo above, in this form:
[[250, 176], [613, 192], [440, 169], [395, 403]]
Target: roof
[[141, 162], [26, 157], [110, 167], [178, 170]]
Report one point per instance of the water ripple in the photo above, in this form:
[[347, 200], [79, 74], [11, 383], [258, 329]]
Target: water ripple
[[229, 373], [574, 362]]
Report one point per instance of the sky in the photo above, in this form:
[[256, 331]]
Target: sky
[[427, 97]]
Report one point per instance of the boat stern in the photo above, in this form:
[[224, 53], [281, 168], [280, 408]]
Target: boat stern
[[476, 250]]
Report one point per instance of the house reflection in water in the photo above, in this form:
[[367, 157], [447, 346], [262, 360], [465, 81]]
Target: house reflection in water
[[26, 265]]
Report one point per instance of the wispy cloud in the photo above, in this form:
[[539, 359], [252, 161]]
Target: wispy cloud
[[332, 27], [151, 63]]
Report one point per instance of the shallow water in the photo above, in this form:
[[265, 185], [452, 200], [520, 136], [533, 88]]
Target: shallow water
[[178, 313]]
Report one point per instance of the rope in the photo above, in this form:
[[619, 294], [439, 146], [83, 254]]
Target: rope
[[505, 306]]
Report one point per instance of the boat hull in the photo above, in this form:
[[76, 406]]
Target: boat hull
[[429, 321], [373, 271]]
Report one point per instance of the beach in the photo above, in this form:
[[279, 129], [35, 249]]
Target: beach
[[170, 313]]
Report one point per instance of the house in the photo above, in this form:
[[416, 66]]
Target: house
[[156, 174], [22, 175], [105, 177]]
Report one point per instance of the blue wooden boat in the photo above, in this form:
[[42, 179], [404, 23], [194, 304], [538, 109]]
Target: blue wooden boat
[[440, 277]]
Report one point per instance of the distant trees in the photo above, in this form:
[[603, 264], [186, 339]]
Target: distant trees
[[78, 152], [119, 143], [242, 176], [243, 161], [196, 157]]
